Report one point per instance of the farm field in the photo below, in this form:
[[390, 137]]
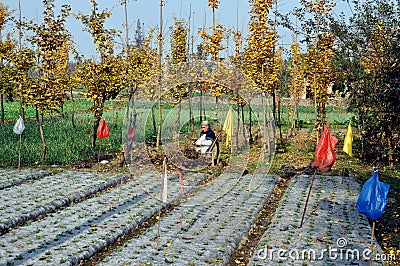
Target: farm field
[[80, 212], [212, 132], [195, 228]]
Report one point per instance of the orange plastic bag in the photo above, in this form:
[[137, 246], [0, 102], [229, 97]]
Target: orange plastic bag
[[102, 130], [325, 152]]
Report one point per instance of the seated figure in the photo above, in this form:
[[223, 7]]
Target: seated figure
[[207, 136]]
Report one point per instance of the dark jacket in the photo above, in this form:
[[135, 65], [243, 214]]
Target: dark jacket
[[210, 135]]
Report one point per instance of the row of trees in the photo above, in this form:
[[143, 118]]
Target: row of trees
[[367, 60], [358, 56], [43, 73]]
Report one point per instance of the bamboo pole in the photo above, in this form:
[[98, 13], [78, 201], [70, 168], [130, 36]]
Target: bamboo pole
[[160, 45], [372, 243], [181, 179], [98, 155], [308, 197], [19, 151], [163, 198]]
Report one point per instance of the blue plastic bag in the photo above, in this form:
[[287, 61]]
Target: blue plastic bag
[[373, 196]]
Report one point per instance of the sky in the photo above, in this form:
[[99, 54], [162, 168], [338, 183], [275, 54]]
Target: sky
[[231, 14]]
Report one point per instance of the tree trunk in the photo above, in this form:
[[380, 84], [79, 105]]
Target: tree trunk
[[2, 109], [243, 126], [278, 110], [43, 139], [201, 105], [37, 114], [153, 115], [132, 99], [160, 44], [21, 103], [191, 111], [98, 113], [237, 127], [391, 146], [250, 125], [159, 123], [296, 115], [216, 108], [264, 131], [73, 110], [179, 117], [113, 112], [274, 105]]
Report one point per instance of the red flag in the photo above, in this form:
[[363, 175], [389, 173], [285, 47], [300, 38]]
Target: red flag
[[102, 130], [325, 152]]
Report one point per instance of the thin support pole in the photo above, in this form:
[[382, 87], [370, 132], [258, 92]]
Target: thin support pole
[[308, 197], [372, 243], [162, 199], [99, 154], [159, 225], [19, 152], [181, 179]]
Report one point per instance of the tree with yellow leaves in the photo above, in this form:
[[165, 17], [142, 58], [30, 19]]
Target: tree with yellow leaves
[[139, 65], [368, 65], [320, 75], [213, 45], [260, 51], [259, 56], [20, 63], [214, 5], [6, 88], [213, 42], [5, 48], [52, 39], [102, 80], [178, 56], [297, 85]]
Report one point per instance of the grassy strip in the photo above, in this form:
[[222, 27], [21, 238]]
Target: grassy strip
[[11, 109], [65, 144]]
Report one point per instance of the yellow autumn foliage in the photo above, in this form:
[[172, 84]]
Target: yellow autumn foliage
[[259, 57]]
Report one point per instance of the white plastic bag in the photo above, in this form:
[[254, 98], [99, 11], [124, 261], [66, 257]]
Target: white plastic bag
[[19, 126]]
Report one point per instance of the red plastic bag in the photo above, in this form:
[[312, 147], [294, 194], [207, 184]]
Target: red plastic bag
[[325, 152], [102, 130]]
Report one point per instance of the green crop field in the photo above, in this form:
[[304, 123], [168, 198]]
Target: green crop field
[[66, 144]]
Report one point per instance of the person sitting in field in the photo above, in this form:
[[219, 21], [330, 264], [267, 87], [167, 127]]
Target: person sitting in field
[[207, 137]]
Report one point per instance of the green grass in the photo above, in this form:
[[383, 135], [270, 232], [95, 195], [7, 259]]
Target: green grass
[[66, 145], [11, 109]]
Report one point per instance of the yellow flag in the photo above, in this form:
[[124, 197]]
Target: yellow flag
[[348, 142], [228, 126]]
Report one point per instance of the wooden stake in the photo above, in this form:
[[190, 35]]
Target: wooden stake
[[164, 172], [19, 152], [372, 243], [180, 179], [98, 155], [308, 197]]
